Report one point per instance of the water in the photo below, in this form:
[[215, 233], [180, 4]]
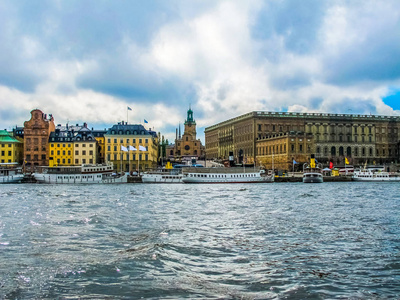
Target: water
[[249, 241]]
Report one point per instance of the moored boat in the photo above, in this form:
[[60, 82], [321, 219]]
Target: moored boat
[[312, 176], [226, 175], [312, 173], [10, 175], [375, 175], [99, 173], [163, 176]]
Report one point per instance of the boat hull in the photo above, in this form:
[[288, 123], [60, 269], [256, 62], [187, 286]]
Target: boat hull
[[11, 178], [370, 176], [158, 178], [79, 178], [226, 176], [313, 178]]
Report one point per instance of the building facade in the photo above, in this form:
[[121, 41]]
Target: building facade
[[123, 136], [36, 136], [331, 137], [72, 145], [11, 149]]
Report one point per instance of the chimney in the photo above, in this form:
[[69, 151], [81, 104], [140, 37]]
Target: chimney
[[85, 125]]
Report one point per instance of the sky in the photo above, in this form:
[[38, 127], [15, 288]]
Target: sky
[[88, 60]]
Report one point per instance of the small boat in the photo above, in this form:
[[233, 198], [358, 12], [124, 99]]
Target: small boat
[[99, 173], [312, 173], [163, 176], [312, 176], [375, 175], [10, 175], [226, 175]]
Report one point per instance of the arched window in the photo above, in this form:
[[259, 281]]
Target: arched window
[[348, 151], [333, 151], [341, 151]]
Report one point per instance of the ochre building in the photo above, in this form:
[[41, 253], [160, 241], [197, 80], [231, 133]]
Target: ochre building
[[266, 137], [36, 136]]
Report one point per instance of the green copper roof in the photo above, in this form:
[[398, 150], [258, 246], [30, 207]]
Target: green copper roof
[[5, 137]]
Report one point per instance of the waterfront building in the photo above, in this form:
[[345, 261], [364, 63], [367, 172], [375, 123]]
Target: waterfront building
[[36, 136], [186, 146], [123, 135], [61, 147], [331, 137], [85, 146], [11, 149], [72, 145]]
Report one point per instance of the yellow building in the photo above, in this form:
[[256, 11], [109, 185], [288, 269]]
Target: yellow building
[[123, 136], [279, 151], [11, 149], [85, 147], [72, 145], [61, 147]]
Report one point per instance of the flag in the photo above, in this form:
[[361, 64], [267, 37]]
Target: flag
[[124, 148], [131, 148], [294, 162], [346, 161], [141, 148], [330, 165], [145, 121], [129, 108]]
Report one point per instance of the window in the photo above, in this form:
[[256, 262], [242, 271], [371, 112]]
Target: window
[[83, 152], [76, 152]]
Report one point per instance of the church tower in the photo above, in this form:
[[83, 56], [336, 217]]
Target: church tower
[[190, 127], [187, 146]]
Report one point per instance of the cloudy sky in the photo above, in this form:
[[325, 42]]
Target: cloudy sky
[[87, 61]]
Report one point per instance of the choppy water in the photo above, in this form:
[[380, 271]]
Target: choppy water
[[250, 241]]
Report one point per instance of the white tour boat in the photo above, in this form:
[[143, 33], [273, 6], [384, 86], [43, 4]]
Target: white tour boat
[[226, 175], [10, 175], [375, 175], [99, 173], [163, 176]]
